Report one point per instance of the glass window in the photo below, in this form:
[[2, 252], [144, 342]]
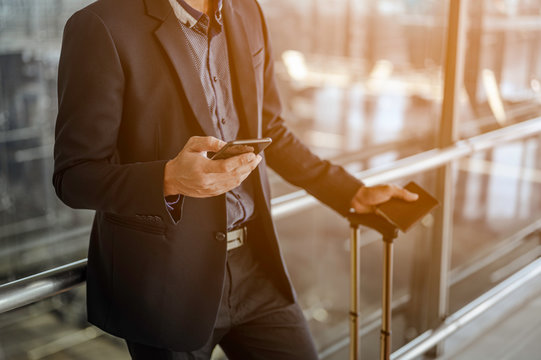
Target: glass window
[[497, 210], [37, 231], [502, 78], [361, 83]]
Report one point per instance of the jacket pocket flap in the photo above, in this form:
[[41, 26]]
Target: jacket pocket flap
[[146, 223]]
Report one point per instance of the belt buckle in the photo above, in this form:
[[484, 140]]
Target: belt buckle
[[235, 238]]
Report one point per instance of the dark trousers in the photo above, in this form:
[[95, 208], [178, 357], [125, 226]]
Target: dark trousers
[[255, 321]]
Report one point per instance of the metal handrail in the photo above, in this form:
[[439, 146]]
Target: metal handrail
[[28, 290], [468, 313], [428, 160], [37, 287]]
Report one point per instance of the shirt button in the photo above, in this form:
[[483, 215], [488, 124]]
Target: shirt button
[[215, 78], [220, 236], [223, 121]]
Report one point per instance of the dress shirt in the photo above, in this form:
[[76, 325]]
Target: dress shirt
[[207, 45]]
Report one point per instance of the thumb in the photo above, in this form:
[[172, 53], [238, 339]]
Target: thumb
[[407, 195], [204, 143]]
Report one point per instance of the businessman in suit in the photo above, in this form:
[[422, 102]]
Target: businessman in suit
[[183, 253]]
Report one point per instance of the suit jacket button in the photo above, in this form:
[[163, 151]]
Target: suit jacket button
[[220, 236]]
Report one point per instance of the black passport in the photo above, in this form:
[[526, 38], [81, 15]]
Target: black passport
[[405, 214]]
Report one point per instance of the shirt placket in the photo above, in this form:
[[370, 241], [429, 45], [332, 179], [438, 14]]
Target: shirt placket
[[214, 72], [219, 116]]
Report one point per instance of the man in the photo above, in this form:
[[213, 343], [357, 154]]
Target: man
[[183, 254]]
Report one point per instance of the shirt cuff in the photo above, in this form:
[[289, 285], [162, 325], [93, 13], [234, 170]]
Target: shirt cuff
[[172, 200]]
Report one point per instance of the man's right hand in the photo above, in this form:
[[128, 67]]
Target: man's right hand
[[192, 174]]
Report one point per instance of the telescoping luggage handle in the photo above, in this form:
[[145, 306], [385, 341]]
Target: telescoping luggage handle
[[396, 214], [389, 233]]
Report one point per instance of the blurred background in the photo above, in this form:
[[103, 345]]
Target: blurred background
[[363, 83]]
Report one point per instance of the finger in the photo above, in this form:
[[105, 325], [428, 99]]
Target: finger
[[234, 178], [231, 164], [249, 167], [241, 160], [241, 173], [404, 194], [204, 143], [375, 195], [253, 163]]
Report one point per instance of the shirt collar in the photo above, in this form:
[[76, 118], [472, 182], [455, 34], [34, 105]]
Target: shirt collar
[[190, 16]]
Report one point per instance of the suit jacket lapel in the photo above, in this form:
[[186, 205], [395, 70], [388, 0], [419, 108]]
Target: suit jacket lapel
[[242, 66], [176, 45]]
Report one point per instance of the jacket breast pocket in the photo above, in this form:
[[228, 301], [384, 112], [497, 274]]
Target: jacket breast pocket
[[148, 224]]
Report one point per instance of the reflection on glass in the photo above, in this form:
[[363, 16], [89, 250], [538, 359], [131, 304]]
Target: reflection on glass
[[498, 196], [36, 230], [361, 82], [359, 74], [502, 65]]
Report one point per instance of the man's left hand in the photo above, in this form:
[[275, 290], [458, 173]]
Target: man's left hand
[[366, 198]]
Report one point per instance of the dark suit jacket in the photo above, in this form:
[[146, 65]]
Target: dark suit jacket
[[127, 104]]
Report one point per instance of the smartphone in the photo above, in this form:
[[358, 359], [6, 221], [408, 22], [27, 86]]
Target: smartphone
[[237, 147], [404, 214]]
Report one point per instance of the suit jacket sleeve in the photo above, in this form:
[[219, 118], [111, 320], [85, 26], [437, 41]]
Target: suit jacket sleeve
[[90, 92], [292, 160]]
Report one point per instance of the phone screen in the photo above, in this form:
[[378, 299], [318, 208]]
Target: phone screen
[[405, 214], [237, 147]]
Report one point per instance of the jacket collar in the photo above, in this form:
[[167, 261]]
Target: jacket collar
[[158, 9], [175, 44]]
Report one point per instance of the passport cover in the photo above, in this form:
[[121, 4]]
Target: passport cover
[[405, 214]]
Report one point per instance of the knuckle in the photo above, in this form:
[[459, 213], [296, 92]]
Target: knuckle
[[215, 142], [227, 167], [205, 182], [237, 173], [206, 141], [246, 158]]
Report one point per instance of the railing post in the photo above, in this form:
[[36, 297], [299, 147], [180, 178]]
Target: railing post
[[386, 299], [440, 258], [355, 274]]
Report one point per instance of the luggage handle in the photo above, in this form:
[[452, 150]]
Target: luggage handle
[[374, 222], [389, 232]]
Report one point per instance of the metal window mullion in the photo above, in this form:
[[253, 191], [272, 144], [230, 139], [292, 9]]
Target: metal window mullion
[[438, 287]]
